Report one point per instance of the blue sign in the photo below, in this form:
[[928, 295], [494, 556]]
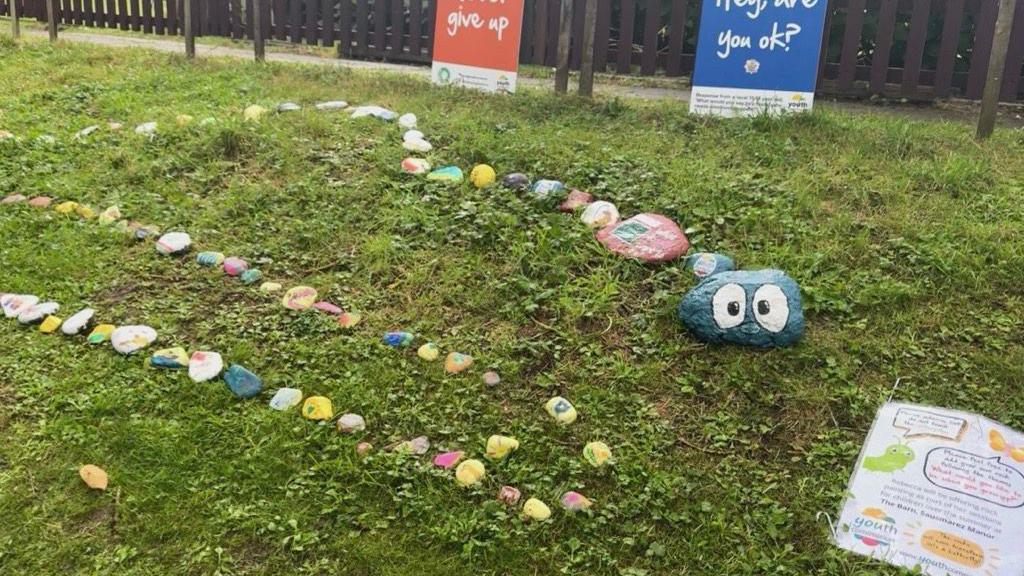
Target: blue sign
[[763, 53]]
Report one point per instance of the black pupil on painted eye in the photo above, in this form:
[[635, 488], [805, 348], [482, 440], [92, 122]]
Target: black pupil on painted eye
[[734, 308], [763, 307]]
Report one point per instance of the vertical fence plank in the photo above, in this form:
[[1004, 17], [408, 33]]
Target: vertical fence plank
[[677, 25], [312, 17], [279, 19], [602, 30], [158, 17], [952, 19], [540, 31], [625, 44], [649, 57], [88, 15], [982, 48], [826, 34], [587, 63], [327, 16], [235, 17], [883, 45], [122, 14], [294, 22], [345, 28], [564, 33], [576, 35], [915, 46], [1014, 56], [362, 27], [78, 13], [428, 22], [135, 11], [851, 45], [380, 21], [415, 15], [172, 17], [147, 16], [552, 51], [397, 26]]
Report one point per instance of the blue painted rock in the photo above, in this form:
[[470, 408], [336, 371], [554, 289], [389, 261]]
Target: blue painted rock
[[516, 181], [548, 191], [242, 382], [398, 338], [646, 237], [746, 307], [450, 174], [704, 264], [175, 358], [209, 258], [251, 276]]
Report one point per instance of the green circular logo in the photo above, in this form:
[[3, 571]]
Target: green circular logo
[[444, 75]]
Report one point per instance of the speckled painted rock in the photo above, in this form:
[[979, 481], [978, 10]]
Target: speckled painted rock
[[516, 181], [349, 319], [482, 176], [374, 111], [597, 453], [173, 243], [286, 399], [94, 477], [209, 258], [491, 378], [204, 366], [415, 166], [270, 287], [407, 120], [66, 207], [250, 276], [413, 135], [234, 266], [428, 352], [175, 358], [448, 459], [110, 215], [350, 423], [501, 446], [548, 191], [132, 338], [299, 298], [13, 198], [364, 448], [317, 408], [417, 145], [561, 410], [14, 304], [600, 214], [418, 446], [536, 510], [470, 472], [287, 107], [510, 495], [36, 313], [253, 113], [327, 308], [398, 338], [704, 264], [146, 128], [77, 322], [332, 105], [456, 362], [449, 174], [645, 237], [49, 325], [575, 200], [242, 382], [574, 501], [40, 202], [747, 307], [101, 333]]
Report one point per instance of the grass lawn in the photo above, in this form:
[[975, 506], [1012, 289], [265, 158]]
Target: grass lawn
[[906, 237]]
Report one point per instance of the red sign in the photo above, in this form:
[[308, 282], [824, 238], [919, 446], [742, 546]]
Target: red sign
[[476, 43]]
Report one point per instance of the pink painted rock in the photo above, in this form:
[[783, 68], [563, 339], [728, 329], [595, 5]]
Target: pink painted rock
[[577, 199], [40, 202], [646, 237], [234, 266], [448, 459], [328, 308]]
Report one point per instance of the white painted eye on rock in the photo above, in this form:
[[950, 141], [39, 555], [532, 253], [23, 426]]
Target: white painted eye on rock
[[771, 308], [729, 305]]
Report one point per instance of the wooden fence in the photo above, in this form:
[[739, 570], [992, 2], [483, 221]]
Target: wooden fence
[[919, 49]]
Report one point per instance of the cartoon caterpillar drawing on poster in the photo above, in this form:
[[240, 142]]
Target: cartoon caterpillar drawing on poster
[[895, 457]]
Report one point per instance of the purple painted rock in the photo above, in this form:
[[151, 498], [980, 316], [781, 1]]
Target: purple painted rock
[[645, 237], [328, 308], [235, 266], [448, 459], [510, 495]]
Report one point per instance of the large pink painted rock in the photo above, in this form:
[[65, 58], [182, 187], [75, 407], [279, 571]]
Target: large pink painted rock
[[646, 237]]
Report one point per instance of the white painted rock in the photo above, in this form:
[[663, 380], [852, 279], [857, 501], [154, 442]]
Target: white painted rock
[[33, 314], [203, 366], [14, 304], [349, 423], [286, 399], [332, 105], [77, 321], [46, 139], [375, 111], [86, 131], [412, 135], [417, 145], [173, 243], [407, 120], [128, 339], [146, 128], [288, 107]]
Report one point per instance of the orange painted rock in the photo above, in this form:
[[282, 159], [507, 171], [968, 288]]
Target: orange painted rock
[[93, 476]]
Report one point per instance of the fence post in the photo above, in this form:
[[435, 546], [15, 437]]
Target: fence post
[[257, 31], [15, 28], [587, 58], [562, 62], [51, 20], [996, 63], [187, 26]]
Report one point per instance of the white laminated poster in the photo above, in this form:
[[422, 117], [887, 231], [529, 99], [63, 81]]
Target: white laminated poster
[[938, 491]]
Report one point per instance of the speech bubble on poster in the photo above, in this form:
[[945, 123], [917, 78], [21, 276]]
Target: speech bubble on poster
[[919, 422], [981, 477]]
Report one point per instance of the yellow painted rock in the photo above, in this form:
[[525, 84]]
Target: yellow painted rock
[[501, 446], [317, 408], [457, 362], [254, 113], [482, 176], [536, 510], [299, 298], [110, 215], [270, 287], [597, 453], [470, 472], [50, 325], [66, 207], [349, 319], [183, 119], [85, 211], [93, 476], [101, 333], [428, 352], [561, 410]]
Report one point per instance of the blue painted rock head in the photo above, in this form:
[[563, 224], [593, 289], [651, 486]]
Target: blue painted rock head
[[746, 307], [704, 264]]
